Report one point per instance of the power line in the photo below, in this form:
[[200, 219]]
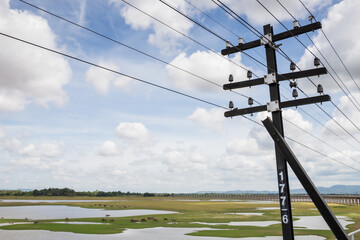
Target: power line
[[207, 29], [111, 70], [332, 46], [319, 139], [322, 154], [309, 52], [127, 46], [233, 14], [328, 129], [192, 39], [220, 24]]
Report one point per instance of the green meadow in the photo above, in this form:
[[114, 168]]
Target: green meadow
[[191, 214]]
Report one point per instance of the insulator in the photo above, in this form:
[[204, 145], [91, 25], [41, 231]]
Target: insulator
[[295, 93], [292, 66], [249, 74], [293, 84], [250, 101], [311, 17], [296, 24], [320, 89], [241, 40], [231, 78], [231, 105], [228, 44], [316, 62]]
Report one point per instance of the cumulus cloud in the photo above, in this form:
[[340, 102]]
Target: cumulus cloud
[[2, 132], [162, 37], [48, 150], [132, 131], [263, 17], [212, 118], [243, 146], [102, 79], [339, 23], [214, 69], [351, 112], [32, 75], [108, 148]]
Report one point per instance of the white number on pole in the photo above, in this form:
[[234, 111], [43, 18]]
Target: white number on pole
[[285, 219], [283, 198], [281, 176], [282, 186]]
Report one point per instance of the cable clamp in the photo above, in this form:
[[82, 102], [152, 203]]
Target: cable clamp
[[266, 39], [270, 78], [273, 106]]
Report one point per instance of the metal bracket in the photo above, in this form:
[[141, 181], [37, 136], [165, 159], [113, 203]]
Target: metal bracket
[[266, 39], [270, 78], [273, 106]]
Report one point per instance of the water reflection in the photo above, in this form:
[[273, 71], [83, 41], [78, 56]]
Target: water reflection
[[56, 201], [62, 212], [318, 222], [130, 234]]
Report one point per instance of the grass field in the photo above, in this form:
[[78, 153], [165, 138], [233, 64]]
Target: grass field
[[188, 212]]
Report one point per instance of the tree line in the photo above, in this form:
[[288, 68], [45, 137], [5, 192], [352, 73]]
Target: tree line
[[67, 192]]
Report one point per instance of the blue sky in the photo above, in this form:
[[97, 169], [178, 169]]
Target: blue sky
[[68, 124]]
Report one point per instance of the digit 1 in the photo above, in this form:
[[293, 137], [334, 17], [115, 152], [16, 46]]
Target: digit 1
[[281, 176]]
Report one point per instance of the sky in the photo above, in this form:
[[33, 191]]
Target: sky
[[66, 123]]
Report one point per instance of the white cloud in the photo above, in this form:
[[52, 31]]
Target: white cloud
[[162, 37], [351, 112], [294, 122], [339, 23], [108, 148], [263, 17], [214, 69], [102, 79], [2, 132], [243, 146], [12, 145], [212, 118], [132, 131], [33, 75], [47, 150]]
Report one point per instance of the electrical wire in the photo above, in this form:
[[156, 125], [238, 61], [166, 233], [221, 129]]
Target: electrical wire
[[332, 46], [128, 46], [143, 81], [183, 34], [319, 139], [300, 69], [322, 154], [111, 70], [208, 30], [323, 125], [289, 59]]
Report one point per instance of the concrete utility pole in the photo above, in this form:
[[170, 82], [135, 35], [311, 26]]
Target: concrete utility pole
[[275, 105]]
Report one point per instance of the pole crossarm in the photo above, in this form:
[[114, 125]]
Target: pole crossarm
[[279, 77], [305, 180], [276, 37], [292, 103]]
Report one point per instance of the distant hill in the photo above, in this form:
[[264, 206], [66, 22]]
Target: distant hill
[[336, 189]]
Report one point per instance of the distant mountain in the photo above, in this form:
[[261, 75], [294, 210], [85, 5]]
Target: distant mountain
[[336, 189]]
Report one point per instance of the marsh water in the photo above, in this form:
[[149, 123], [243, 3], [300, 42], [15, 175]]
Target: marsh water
[[130, 234], [171, 233], [62, 212]]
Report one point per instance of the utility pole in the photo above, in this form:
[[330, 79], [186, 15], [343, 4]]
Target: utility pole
[[275, 106]]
